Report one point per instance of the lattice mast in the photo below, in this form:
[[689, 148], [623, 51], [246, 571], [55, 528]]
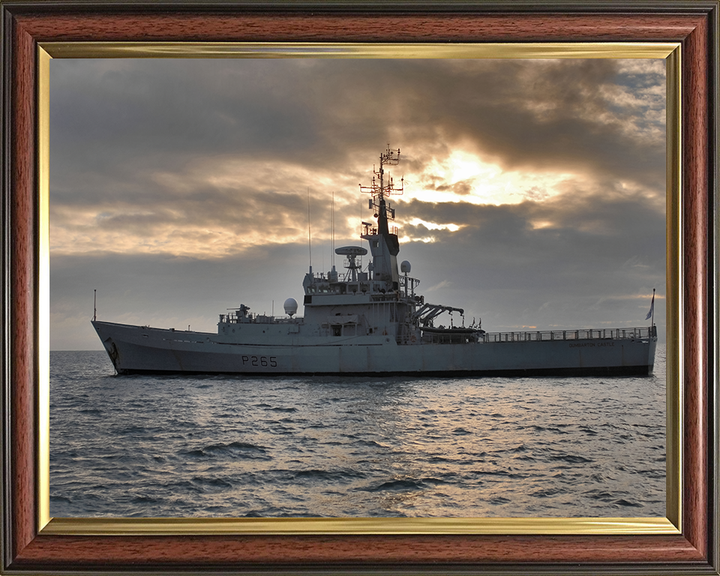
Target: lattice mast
[[384, 243], [380, 190]]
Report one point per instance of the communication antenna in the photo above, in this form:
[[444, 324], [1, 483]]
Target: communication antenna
[[383, 186], [332, 233], [309, 232], [94, 305]]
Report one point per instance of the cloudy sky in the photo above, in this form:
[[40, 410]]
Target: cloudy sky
[[534, 189]]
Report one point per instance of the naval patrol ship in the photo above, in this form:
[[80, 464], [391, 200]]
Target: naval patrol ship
[[371, 321]]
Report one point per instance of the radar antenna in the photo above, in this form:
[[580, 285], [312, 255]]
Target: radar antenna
[[382, 187], [379, 189]]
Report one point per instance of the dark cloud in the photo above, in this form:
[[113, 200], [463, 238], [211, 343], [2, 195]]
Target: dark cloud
[[134, 119], [588, 246]]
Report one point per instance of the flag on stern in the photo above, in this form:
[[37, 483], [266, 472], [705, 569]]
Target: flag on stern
[[652, 306]]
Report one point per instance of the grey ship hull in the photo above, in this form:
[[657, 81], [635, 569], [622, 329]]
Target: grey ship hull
[[138, 349]]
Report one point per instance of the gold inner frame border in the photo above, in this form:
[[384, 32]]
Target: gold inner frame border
[[671, 524]]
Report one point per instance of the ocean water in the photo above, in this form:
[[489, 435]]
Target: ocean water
[[224, 446]]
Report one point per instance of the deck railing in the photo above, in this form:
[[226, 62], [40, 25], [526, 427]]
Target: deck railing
[[603, 333]]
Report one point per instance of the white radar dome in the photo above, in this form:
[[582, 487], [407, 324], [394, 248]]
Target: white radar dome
[[290, 306], [405, 267]]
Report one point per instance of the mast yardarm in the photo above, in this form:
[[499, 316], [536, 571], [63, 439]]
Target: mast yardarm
[[380, 189]]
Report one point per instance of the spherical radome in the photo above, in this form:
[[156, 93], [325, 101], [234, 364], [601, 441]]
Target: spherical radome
[[290, 306]]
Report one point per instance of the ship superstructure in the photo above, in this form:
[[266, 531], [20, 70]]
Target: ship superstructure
[[371, 320]]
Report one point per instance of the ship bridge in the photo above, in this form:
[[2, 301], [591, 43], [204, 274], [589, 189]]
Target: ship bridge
[[379, 297], [380, 280]]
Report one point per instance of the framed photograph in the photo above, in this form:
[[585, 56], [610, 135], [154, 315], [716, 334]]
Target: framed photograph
[[183, 224], [34, 34]]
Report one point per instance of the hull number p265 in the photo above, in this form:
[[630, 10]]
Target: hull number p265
[[260, 361]]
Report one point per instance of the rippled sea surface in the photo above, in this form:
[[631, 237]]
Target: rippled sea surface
[[177, 446]]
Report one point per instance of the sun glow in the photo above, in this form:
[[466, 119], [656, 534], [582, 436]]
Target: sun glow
[[539, 224], [465, 177], [433, 225], [462, 166]]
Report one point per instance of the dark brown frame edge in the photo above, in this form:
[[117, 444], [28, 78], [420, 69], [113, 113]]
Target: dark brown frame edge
[[26, 23]]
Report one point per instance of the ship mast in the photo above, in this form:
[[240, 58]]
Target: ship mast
[[380, 190], [384, 245]]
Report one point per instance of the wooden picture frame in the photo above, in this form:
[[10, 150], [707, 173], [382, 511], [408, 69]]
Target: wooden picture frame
[[29, 546]]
